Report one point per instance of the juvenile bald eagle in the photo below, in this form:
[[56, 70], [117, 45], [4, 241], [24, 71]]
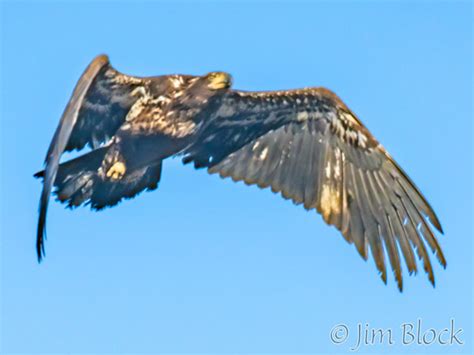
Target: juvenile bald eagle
[[305, 144]]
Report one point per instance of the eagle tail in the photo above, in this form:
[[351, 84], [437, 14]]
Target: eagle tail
[[78, 181], [75, 178]]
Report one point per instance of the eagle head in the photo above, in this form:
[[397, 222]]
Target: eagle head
[[218, 80]]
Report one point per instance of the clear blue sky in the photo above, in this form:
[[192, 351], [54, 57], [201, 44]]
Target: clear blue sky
[[207, 265]]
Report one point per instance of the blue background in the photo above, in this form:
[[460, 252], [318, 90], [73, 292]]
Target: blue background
[[207, 265]]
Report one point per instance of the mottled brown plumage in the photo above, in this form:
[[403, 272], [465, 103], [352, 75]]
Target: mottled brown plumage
[[305, 144]]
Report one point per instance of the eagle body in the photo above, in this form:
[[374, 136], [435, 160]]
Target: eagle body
[[305, 144]]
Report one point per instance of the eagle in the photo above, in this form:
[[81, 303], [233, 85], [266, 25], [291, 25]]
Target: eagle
[[304, 144]]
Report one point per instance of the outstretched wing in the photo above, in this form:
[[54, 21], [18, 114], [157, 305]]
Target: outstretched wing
[[97, 108], [308, 146]]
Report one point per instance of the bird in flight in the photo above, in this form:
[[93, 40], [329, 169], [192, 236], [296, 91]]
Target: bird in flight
[[305, 144]]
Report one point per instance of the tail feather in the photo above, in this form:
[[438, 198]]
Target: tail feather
[[89, 161], [78, 182], [76, 189], [108, 193]]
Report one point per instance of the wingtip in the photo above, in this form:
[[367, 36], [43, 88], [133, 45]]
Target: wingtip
[[40, 251], [434, 220], [40, 257], [41, 228], [439, 227], [40, 238]]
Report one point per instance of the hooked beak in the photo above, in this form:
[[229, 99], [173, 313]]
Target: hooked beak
[[219, 80]]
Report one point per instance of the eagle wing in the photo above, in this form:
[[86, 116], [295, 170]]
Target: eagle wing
[[308, 146], [97, 108]]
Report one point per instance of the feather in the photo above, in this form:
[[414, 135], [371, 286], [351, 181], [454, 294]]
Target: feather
[[59, 143], [322, 156]]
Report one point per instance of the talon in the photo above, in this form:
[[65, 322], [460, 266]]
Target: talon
[[116, 171]]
